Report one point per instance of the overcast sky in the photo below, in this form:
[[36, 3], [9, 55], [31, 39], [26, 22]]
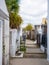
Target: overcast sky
[[32, 11]]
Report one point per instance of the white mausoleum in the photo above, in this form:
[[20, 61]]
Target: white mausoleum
[[48, 34], [4, 34]]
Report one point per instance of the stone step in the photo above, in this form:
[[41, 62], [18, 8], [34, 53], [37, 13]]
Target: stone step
[[35, 55], [34, 50]]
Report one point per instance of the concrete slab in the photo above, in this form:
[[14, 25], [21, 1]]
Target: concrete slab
[[28, 61], [18, 56], [34, 50]]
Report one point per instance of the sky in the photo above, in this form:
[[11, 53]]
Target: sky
[[32, 11]]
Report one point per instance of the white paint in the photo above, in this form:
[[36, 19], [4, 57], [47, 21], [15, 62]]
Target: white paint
[[3, 7], [6, 41], [18, 38], [4, 17], [42, 48], [19, 56], [14, 41], [1, 42], [48, 34], [13, 45], [21, 31]]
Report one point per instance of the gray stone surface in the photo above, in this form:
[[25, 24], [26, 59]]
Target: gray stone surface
[[34, 50], [30, 43], [28, 61]]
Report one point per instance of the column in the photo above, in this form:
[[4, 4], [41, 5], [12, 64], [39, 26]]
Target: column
[[1, 42], [48, 34]]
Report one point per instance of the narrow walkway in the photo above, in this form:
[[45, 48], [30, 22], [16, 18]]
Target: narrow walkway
[[33, 56], [28, 61], [30, 43], [33, 51]]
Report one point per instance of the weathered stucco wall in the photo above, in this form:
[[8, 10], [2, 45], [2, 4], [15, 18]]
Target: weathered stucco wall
[[1, 42], [4, 36], [48, 34], [3, 7], [13, 46], [14, 41], [6, 41]]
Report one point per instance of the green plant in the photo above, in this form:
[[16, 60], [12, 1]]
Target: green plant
[[22, 48], [29, 27], [12, 5], [13, 8], [15, 20]]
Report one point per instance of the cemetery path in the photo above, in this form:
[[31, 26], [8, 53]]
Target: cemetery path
[[33, 56], [30, 43], [28, 61], [33, 51]]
